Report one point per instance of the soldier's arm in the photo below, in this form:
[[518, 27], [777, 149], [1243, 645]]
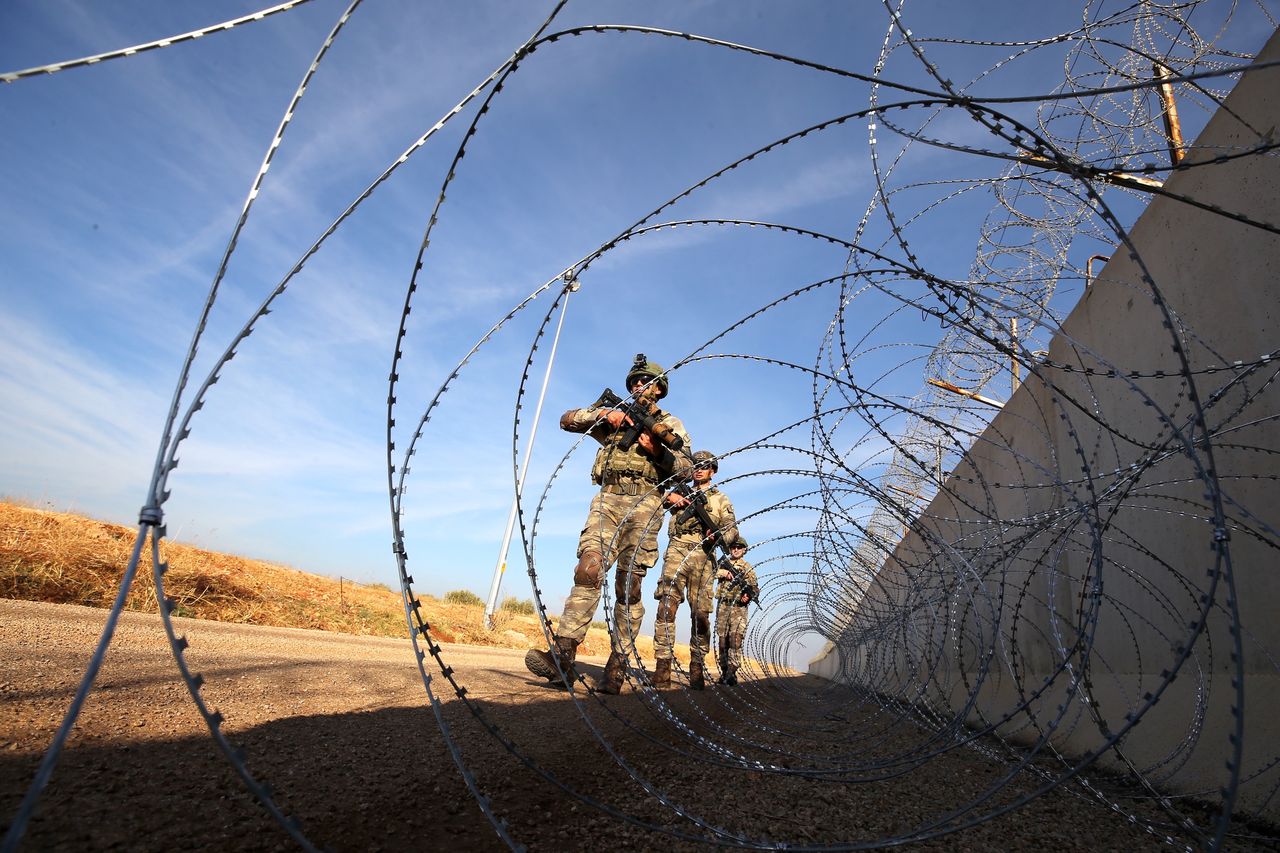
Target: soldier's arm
[[579, 420], [728, 527], [682, 459], [676, 500], [597, 422], [725, 569]]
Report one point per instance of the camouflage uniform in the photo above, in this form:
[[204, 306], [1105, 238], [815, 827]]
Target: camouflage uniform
[[689, 570], [731, 615], [622, 525]]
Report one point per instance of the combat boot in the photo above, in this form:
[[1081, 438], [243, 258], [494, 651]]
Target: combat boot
[[731, 676], [696, 681], [543, 664], [662, 673], [613, 672]]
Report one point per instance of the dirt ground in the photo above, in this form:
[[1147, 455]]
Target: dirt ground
[[341, 728]]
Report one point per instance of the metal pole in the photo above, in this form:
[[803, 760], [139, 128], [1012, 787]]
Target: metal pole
[[915, 495], [965, 392], [1113, 176], [1013, 329], [906, 525], [1088, 267], [1169, 111], [491, 605]]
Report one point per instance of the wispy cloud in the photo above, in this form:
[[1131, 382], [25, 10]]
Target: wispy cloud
[[772, 196], [815, 182], [67, 416]]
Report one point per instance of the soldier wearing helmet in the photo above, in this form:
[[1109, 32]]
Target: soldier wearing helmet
[[687, 569], [622, 523], [737, 588]]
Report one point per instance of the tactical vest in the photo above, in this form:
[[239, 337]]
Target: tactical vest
[[614, 464], [690, 526], [729, 591]]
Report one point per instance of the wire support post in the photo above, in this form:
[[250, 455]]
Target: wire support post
[[571, 285], [965, 392]]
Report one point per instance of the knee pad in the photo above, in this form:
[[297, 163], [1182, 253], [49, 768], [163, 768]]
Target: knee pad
[[587, 572], [626, 586], [667, 607], [701, 624]]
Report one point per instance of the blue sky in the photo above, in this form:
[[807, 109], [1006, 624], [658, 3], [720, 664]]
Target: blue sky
[[123, 181]]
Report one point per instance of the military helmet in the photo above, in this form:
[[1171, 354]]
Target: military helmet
[[706, 459], [650, 371], [739, 543]]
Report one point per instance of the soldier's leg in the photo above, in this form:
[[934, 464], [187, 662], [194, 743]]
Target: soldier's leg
[[737, 630], [664, 626], [637, 551], [580, 607], [596, 549], [700, 577], [722, 639], [699, 640], [628, 610], [574, 622], [664, 637], [669, 595]]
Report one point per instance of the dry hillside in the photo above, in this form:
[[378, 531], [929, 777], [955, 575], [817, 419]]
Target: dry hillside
[[64, 558]]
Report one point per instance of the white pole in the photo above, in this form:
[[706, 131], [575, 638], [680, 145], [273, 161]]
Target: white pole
[[491, 605]]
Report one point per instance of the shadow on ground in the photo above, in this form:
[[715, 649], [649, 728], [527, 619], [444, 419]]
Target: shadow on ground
[[385, 779]]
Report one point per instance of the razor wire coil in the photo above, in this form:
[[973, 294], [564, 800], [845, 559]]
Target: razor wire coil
[[956, 611]]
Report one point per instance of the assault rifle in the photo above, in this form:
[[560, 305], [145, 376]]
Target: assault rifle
[[697, 508], [641, 418], [736, 579]]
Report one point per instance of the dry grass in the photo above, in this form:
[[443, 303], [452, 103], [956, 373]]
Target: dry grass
[[62, 558]]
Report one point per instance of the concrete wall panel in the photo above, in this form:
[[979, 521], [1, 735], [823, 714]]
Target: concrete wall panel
[[1054, 586]]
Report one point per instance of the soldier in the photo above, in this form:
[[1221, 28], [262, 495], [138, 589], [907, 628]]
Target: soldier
[[687, 569], [622, 524], [737, 588]]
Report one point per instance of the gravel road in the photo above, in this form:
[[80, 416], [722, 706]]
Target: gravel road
[[340, 727]]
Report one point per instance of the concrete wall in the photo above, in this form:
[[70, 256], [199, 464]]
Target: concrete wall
[[1052, 587]]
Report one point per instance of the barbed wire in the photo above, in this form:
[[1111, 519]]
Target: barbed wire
[[986, 573], [168, 41]]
